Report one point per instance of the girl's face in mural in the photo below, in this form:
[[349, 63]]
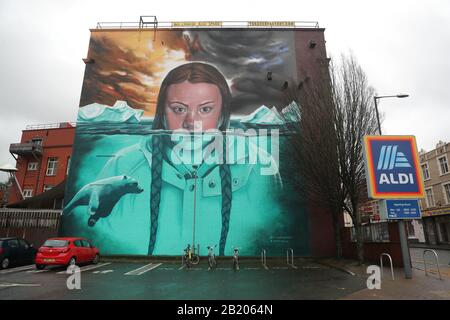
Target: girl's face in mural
[[189, 104]]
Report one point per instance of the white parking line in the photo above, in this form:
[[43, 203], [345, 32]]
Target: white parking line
[[31, 266], [103, 271], [138, 269], [107, 271], [86, 268], [37, 271], [19, 285], [144, 269]]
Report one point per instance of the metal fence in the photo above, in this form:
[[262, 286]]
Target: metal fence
[[29, 218]]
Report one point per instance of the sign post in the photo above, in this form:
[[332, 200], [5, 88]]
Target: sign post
[[393, 174]]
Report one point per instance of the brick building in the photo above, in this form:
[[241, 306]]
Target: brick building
[[3, 194], [42, 159], [436, 204]]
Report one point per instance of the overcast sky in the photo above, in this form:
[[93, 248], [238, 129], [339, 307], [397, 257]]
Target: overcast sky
[[404, 47]]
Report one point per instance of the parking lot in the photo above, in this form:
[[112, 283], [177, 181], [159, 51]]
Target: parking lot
[[169, 280]]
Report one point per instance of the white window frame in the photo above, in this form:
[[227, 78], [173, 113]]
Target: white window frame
[[47, 187], [68, 165], [446, 197], [32, 168], [428, 170], [439, 165], [432, 195], [27, 193], [53, 172]]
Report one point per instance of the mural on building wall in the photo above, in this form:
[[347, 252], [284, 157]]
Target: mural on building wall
[[178, 141]]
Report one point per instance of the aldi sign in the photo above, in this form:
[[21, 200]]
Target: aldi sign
[[392, 167]]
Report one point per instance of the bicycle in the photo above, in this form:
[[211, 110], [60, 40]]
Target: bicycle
[[236, 259], [212, 262], [190, 258]]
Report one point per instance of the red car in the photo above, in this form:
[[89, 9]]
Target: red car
[[66, 251]]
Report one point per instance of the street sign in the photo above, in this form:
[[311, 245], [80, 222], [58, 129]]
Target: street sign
[[399, 209], [392, 167]]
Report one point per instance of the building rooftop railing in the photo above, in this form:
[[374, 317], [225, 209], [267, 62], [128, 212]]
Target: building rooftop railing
[[154, 24], [51, 126]]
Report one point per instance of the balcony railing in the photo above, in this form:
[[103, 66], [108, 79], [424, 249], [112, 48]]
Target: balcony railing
[[26, 149]]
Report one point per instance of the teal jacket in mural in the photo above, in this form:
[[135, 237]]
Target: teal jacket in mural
[[124, 185]]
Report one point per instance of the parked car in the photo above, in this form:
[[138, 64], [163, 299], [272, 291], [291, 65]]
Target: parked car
[[15, 251], [66, 251]]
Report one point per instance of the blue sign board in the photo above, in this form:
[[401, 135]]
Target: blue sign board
[[399, 209], [392, 167]]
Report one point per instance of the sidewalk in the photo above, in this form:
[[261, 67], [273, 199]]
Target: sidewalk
[[429, 246], [420, 287]]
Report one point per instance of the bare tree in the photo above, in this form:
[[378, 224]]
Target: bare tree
[[326, 142], [312, 151], [355, 117]]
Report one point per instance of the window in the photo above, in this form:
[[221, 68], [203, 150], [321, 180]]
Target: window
[[443, 233], [425, 172], [443, 165], [447, 192], [367, 236], [47, 187], [55, 243], [51, 166], [373, 232], [430, 234], [78, 243], [443, 229], [24, 244], [13, 243], [86, 244], [27, 193], [430, 198], [68, 166], [37, 141], [411, 230], [32, 166], [380, 232]]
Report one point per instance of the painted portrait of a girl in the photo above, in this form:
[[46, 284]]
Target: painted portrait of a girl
[[171, 202]]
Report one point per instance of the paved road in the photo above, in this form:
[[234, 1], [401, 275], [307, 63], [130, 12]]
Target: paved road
[[165, 280], [417, 261], [443, 255]]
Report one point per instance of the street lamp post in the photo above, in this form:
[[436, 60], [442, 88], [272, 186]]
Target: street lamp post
[[401, 224], [375, 98]]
